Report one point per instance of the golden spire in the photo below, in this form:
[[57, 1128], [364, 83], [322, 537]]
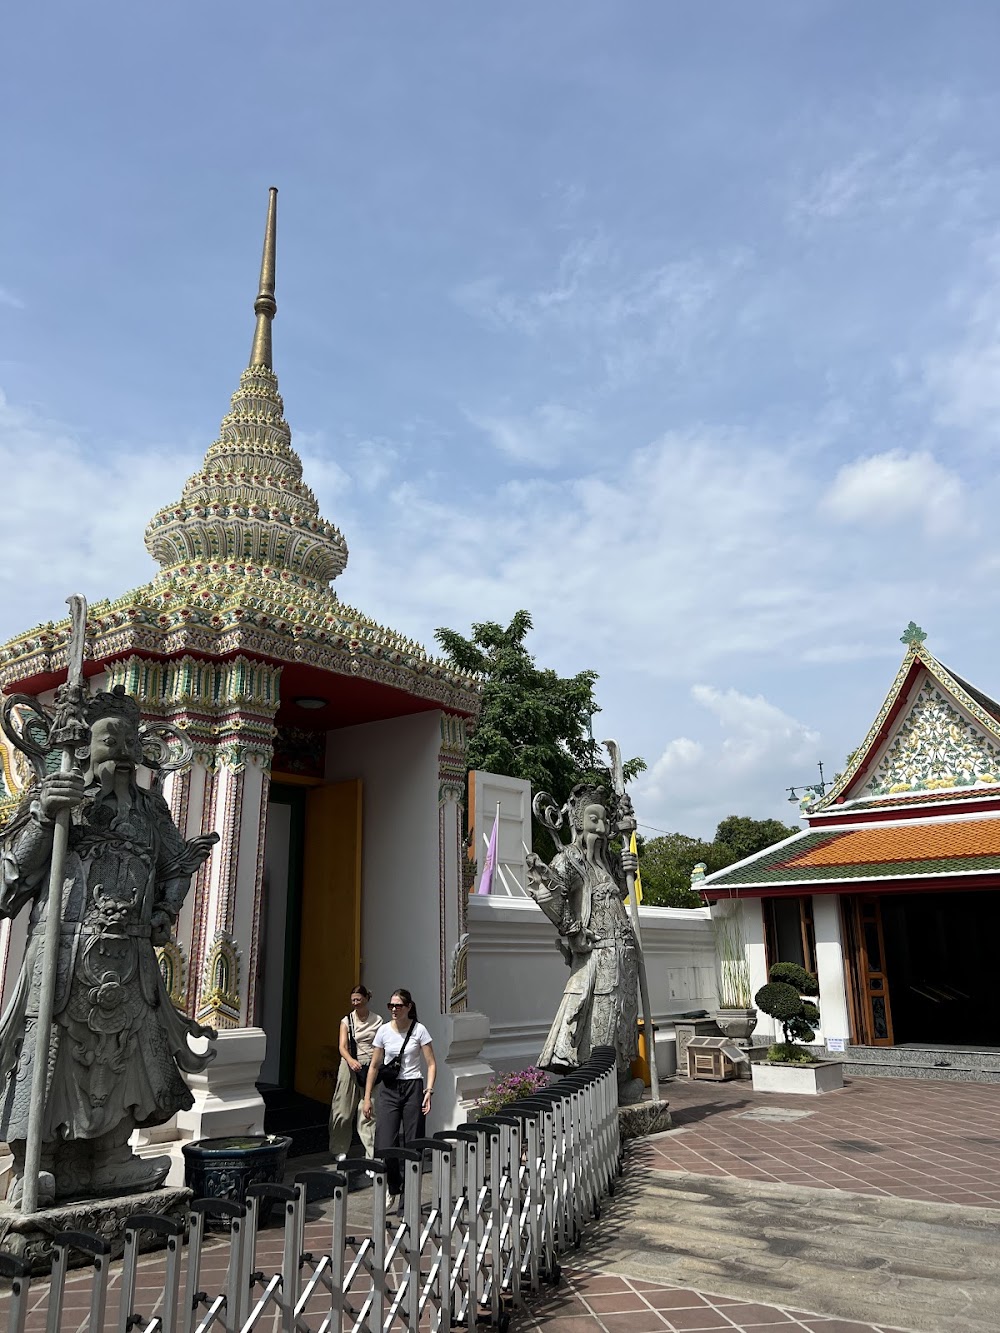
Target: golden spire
[[265, 307]]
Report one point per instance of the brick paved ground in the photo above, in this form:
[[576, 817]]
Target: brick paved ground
[[912, 1138], [598, 1303]]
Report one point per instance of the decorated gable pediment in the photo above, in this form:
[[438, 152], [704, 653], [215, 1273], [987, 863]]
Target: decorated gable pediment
[[935, 745]]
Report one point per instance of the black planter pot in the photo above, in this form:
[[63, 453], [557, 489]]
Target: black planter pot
[[223, 1168]]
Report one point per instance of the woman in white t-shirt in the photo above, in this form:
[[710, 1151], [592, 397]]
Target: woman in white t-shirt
[[357, 1032], [404, 1100]]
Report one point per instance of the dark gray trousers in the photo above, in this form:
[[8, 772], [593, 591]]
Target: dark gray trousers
[[398, 1122]]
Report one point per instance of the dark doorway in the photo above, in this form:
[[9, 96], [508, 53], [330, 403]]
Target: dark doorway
[[941, 963]]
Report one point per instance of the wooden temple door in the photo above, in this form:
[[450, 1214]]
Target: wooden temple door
[[869, 985]]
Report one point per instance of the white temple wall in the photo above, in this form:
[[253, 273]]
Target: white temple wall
[[517, 974]]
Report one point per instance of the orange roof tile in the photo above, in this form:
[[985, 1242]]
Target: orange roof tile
[[905, 842]]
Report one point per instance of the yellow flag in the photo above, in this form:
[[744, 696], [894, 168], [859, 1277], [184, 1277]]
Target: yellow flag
[[638, 878]]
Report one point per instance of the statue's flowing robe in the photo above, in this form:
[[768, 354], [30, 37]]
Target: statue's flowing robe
[[118, 1044], [600, 1004]]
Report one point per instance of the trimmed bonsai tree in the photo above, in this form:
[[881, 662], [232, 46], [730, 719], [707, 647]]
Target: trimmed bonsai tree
[[784, 999]]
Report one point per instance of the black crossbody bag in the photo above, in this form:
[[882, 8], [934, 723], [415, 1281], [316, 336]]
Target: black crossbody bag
[[391, 1069], [360, 1075]]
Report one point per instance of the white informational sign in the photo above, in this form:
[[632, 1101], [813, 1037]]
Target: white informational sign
[[836, 1043]]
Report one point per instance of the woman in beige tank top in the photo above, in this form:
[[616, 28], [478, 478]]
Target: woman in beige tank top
[[361, 1024]]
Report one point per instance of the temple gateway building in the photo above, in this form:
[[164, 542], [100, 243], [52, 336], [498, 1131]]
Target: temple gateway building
[[329, 753], [891, 894]]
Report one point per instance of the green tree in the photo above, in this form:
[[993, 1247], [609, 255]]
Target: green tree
[[743, 836], [666, 862], [534, 723]]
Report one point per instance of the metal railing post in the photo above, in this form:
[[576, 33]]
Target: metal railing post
[[173, 1231], [100, 1251], [15, 1271]]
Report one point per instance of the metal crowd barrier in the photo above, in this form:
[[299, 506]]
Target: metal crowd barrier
[[507, 1197]]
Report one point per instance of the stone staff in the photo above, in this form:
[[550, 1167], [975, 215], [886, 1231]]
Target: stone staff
[[69, 731], [618, 778]]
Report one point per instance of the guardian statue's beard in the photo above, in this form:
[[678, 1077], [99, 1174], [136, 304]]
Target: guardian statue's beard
[[596, 845], [113, 782]]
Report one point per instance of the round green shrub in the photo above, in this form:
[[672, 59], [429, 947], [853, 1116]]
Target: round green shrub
[[798, 1028], [809, 1012], [779, 1000], [803, 982]]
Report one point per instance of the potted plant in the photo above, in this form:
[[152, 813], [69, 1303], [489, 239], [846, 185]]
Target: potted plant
[[791, 1067], [735, 1016]]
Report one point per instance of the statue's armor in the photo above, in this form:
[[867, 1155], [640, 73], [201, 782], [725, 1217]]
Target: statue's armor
[[117, 1040], [600, 1001]]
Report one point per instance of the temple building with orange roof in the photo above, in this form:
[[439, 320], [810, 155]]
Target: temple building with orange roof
[[891, 893]]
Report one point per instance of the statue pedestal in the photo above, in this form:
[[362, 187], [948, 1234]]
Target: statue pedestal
[[463, 1074], [29, 1236], [642, 1118], [226, 1101]]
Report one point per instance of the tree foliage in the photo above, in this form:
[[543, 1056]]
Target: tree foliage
[[743, 836], [534, 723], [666, 862], [782, 999]]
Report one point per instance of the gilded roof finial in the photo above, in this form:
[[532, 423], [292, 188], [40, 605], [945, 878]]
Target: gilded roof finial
[[265, 307]]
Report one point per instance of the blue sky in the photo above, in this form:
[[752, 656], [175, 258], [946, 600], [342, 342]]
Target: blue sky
[[678, 325]]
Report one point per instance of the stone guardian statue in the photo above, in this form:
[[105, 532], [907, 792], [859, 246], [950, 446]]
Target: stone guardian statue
[[118, 1046], [582, 892]]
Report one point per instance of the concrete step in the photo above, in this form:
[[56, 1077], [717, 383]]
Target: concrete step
[[862, 1070], [958, 1064]]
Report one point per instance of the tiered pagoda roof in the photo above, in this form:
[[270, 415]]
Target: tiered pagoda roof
[[246, 565]]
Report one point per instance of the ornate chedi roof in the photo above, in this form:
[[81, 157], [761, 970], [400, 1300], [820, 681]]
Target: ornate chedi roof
[[246, 562]]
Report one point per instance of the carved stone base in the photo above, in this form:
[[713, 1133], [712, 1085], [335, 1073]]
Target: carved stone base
[[30, 1237], [643, 1118]]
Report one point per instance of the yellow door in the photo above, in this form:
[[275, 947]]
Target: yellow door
[[330, 950]]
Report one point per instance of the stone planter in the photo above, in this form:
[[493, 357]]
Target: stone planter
[[736, 1024], [824, 1076], [224, 1168]]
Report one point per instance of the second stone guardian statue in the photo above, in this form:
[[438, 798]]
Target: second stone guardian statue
[[582, 892]]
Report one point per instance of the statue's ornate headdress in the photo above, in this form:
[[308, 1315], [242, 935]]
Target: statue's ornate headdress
[[113, 703], [580, 798]]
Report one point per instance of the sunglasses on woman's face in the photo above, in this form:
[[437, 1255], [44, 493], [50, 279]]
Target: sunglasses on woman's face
[[396, 1006]]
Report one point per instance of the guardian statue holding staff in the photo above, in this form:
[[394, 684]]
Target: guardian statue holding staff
[[94, 1009]]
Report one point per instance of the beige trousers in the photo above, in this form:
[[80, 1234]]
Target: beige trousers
[[345, 1112]]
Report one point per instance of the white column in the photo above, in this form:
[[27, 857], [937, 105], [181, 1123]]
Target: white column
[[753, 930], [834, 1013]]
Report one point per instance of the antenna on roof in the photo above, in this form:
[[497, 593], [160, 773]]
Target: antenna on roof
[[813, 789]]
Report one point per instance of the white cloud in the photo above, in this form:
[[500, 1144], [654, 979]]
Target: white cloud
[[894, 487], [660, 566], [624, 320], [543, 437], [74, 519], [909, 163], [762, 750], [964, 378]]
